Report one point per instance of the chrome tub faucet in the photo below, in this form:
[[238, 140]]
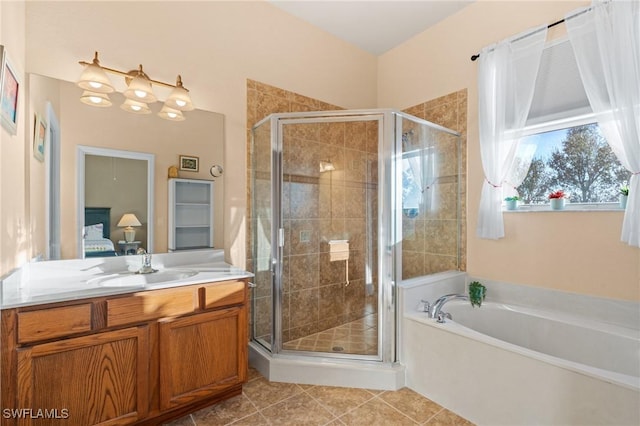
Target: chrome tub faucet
[[436, 309]]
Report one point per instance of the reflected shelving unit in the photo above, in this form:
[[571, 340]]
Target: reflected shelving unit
[[190, 214]]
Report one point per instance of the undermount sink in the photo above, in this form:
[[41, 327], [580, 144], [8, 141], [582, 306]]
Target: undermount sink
[[131, 279]]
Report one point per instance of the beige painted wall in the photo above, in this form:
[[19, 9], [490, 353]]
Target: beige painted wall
[[14, 235], [41, 90], [572, 251], [216, 46]]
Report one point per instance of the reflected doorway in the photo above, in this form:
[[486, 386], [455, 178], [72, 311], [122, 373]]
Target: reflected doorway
[[113, 184]]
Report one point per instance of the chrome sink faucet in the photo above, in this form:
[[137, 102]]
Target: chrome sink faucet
[[146, 262], [436, 309]]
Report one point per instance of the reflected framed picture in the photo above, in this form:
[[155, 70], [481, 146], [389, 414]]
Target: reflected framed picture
[[10, 87], [39, 135], [189, 163]]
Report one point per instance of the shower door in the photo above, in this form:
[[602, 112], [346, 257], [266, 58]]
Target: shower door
[[323, 209]]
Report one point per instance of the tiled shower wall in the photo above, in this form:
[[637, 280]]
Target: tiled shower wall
[[331, 205], [318, 207], [429, 243]]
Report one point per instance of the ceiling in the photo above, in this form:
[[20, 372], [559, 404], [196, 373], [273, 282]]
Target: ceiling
[[372, 25]]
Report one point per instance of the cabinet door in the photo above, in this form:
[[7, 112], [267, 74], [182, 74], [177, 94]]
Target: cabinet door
[[202, 355], [97, 379]]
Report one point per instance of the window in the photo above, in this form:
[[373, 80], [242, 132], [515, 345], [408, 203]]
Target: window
[[577, 160], [567, 149]]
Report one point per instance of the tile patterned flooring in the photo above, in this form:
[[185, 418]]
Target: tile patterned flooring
[[357, 337], [271, 403]]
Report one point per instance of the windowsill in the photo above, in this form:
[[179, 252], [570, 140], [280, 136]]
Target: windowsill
[[568, 207]]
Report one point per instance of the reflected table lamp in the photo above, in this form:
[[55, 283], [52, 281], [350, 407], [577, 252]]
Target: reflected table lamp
[[129, 220]]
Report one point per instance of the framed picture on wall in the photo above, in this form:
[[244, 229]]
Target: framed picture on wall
[[189, 163], [39, 135], [10, 87]]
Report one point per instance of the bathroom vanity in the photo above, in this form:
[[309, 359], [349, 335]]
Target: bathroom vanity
[[143, 354]]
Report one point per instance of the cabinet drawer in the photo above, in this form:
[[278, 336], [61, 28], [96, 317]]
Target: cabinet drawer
[[146, 306], [54, 322], [222, 294]]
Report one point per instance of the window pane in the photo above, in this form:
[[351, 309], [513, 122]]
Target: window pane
[[577, 160]]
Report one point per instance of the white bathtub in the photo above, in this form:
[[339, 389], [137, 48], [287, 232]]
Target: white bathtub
[[502, 364]]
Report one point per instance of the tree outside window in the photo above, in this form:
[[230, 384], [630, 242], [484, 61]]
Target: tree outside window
[[577, 160]]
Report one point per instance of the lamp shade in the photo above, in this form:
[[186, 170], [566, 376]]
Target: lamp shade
[[95, 99], [171, 114], [93, 78], [179, 98], [128, 220], [135, 107], [140, 90]]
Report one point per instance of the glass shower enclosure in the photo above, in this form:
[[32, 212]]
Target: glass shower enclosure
[[331, 196]]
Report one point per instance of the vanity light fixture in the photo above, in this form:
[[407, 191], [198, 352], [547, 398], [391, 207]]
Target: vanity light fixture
[[95, 99], [139, 92], [135, 107], [171, 114], [139, 87]]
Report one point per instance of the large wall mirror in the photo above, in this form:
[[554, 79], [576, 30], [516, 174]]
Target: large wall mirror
[[113, 136]]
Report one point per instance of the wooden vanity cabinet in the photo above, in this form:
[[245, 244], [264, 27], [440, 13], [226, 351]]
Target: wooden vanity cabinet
[[96, 379], [102, 363], [190, 371]]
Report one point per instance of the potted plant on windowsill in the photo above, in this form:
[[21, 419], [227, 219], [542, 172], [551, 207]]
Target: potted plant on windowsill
[[556, 199], [624, 194], [512, 202]]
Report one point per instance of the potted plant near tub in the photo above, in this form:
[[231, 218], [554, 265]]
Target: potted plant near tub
[[512, 202], [556, 199], [624, 194]]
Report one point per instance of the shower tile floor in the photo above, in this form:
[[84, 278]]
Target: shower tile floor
[[272, 403], [356, 337]]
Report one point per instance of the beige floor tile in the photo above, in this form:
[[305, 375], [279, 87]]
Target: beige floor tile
[[253, 374], [256, 419], [412, 404], [339, 400], [298, 410], [375, 413], [448, 418], [183, 421], [225, 412], [264, 393]]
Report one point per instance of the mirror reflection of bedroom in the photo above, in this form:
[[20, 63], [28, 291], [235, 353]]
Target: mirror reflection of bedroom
[[115, 206]]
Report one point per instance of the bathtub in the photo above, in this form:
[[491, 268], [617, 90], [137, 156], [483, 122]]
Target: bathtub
[[505, 364]]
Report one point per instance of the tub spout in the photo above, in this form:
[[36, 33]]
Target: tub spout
[[436, 308]]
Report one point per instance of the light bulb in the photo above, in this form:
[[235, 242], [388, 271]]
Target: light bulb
[[172, 114], [140, 93], [180, 102], [95, 99], [95, 84], [136, 107]]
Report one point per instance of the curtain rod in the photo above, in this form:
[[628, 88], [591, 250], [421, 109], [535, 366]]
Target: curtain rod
[[477, 55]]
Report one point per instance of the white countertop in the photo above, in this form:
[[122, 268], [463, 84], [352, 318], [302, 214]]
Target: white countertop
[[62, 280]]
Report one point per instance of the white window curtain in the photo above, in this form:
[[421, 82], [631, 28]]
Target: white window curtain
[[506, 80], [606, 42]]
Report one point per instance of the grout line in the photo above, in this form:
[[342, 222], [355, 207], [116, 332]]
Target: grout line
[[348, 411], [396, 409], [434, 416]]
